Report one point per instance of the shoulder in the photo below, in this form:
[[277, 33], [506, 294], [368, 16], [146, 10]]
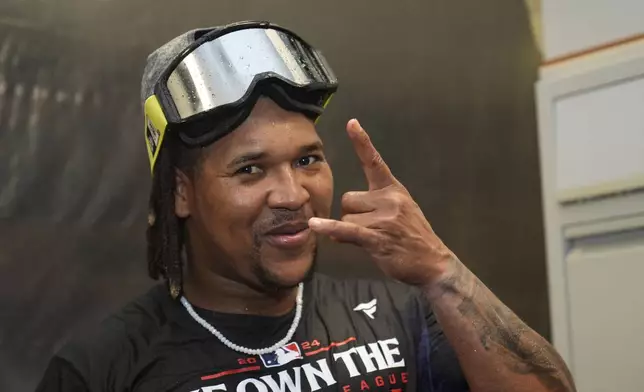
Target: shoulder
[[106, 353]]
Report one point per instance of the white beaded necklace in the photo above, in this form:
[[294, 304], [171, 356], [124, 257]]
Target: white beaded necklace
[[250, 351]]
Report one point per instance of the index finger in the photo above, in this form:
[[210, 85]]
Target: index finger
[[375, 169], [345, 232]]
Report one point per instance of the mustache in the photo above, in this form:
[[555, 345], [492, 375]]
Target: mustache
[[279, 217]]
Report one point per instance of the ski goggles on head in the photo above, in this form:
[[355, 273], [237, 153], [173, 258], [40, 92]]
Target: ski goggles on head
[[212, 86]]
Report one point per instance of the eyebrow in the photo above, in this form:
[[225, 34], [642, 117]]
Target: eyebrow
[[258, 155], [316, 146]]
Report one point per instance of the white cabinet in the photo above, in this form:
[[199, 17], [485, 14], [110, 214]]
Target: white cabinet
[[591, 141], [606, 311], [600, 138]]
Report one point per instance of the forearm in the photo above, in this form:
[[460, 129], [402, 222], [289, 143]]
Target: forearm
[[497, 351]]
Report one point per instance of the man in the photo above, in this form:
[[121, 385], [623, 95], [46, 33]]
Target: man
[[241, 193]]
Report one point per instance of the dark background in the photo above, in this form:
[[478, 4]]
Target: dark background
[[445, 88]]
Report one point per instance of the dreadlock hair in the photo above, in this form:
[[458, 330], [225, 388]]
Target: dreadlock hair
[[166, 231]]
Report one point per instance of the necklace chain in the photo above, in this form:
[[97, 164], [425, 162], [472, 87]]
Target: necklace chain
[[245, 350]]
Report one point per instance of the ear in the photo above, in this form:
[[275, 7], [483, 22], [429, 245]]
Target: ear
[[182, 194]]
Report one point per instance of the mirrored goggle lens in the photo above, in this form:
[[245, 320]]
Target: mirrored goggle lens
[[223, 70]]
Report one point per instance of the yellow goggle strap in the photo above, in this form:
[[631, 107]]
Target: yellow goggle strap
[[155, 127], [324, 107]]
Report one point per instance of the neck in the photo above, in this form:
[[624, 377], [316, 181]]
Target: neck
[[209, 290]]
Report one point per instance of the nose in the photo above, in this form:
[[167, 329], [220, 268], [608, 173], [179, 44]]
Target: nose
[[288, 191]]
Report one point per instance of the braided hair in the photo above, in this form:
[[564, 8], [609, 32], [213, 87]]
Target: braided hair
[[166, 231]]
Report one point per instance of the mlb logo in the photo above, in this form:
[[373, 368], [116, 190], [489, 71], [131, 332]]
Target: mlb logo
[[282, 355]]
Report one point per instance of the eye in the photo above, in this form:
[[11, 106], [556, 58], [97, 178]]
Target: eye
[[250, 169], [309, 160]]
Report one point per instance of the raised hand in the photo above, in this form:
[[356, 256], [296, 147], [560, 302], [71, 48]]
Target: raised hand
[[386, 222], [496, 349]]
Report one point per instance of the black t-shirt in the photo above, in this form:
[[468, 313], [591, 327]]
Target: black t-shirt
[[354, 335]]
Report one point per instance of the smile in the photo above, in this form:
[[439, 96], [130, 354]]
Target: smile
[[291, 235]]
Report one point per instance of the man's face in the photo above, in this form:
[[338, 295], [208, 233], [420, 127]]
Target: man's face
[[249, 201]]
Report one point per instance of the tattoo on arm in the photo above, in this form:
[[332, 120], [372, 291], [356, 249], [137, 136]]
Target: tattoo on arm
[[499, 330]]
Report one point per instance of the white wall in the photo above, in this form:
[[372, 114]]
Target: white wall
[[575, 25]]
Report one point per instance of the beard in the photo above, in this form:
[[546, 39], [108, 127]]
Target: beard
[[272, 283]]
